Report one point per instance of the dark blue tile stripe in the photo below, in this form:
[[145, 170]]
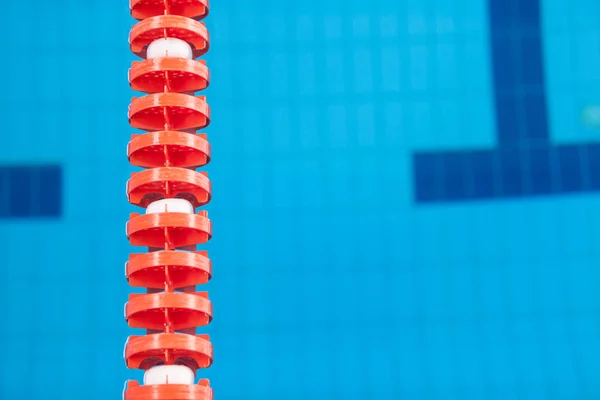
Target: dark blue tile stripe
[[31, 191], [524, 163], [518, 72]]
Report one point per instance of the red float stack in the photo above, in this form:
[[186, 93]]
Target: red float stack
[[171, 150]]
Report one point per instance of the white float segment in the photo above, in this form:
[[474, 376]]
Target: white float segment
[[169, 374], [169, 47], [170, 205]]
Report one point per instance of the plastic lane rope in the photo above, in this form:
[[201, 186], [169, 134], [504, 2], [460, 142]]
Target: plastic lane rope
[[169, 38]]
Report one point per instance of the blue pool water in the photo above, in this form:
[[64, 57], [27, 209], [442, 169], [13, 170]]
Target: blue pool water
[[405, 199]]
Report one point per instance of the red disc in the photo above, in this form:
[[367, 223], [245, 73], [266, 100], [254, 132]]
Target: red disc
[[182, 149], [201, 391], [186, 268], [176, 74], [157, 183], [176, 111], [173, 229], [142, 9], [177, 309], [143, 352], [174, 26]]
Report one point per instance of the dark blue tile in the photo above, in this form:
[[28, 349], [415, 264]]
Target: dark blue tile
[[31, 191], [516, 60], [428, 181], [528, 14], [484, 179], [50, 190], [511, 168], [508, 129], [569, 164], [541, 178], [502, 14], [454, 176], [503, 63], [591, 166], [535, 119], [20, 193], [532, 61]]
